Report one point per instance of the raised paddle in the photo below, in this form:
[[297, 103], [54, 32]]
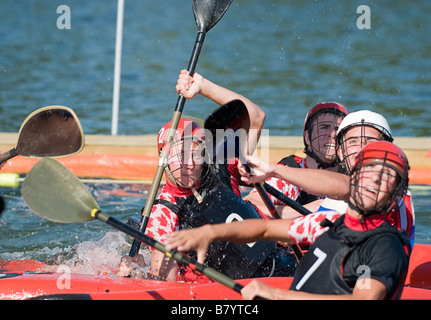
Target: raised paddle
[[53, 131], [227, 126], [207, 13], [223, 124], [56, 194]]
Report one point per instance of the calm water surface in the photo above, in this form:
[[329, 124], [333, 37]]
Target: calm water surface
[[285, 55]]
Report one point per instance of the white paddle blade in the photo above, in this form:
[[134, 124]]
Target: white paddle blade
[[56, 194]]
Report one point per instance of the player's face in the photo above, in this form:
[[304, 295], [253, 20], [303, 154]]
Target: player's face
[[322, 139], [185, 162], [373, 186], [353, 141]]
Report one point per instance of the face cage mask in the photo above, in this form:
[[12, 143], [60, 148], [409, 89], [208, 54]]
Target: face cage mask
[[310, 150], [359, 142], [359, 195], [187, 152]]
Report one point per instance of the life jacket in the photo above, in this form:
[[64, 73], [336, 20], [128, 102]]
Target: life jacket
[[293, 162], [220, 204], [326, 274]]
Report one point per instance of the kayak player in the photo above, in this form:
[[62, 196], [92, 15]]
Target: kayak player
[[320, 129], [356, 131], [359, 256], [199, 192]]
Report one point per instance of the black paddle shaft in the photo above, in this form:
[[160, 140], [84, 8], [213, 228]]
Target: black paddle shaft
[[290, 202], [207, 13], [174, 124], [176, 255], [192, 66], [178, 108]]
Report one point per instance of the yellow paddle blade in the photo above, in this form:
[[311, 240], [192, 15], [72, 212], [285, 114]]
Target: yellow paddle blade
[[56, 194]]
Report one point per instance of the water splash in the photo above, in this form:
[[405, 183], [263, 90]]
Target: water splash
[[98, 257]]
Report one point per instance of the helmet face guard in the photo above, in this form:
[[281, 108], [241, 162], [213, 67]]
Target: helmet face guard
[[186, 153], [350, 145], [321, 124], [185, 162], [379, 178], [321, 137]]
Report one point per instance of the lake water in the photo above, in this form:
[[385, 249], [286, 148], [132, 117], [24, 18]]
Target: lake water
[[27, 236], [285, 55]]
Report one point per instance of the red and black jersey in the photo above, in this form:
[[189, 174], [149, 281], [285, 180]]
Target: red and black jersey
[[342, 256]]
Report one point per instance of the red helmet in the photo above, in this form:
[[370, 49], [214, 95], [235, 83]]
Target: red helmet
[[384, 152], [186, 128], [323, 107]]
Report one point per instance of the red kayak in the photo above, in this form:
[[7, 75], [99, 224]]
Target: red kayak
[[23, 279]]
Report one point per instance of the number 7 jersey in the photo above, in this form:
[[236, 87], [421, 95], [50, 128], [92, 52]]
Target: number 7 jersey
[[342, 256]]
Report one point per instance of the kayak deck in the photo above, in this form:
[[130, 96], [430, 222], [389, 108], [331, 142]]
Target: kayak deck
[[77, 286], [23, 279], [20, 286]]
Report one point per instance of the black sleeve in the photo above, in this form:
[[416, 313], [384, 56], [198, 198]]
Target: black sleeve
[[385, 259]]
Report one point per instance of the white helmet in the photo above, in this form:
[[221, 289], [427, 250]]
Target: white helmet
[[365, 118]]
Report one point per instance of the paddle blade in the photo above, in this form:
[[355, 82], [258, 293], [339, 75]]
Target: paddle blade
[[199, 121], [232, 115], [53, 131], [208, 12], [228, 127], [56, 194]]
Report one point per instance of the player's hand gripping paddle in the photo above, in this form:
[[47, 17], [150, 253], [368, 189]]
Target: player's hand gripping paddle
[[207, 13]]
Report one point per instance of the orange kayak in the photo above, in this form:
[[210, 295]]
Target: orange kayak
[[22, 279]]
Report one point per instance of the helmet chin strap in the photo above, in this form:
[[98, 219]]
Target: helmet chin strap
[[171, 178], [197, 195], [365, 213], [320, 163], [361, 212]]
